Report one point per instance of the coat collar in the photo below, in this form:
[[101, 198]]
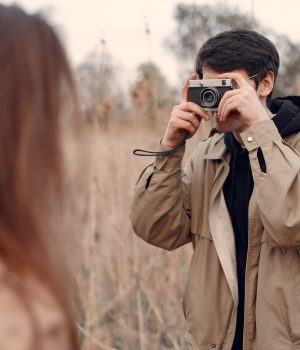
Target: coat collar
[[217, 150]]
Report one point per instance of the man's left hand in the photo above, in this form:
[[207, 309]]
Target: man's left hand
[[243, 102]]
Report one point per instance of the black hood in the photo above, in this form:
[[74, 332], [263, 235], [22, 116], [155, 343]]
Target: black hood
[[287, 118]]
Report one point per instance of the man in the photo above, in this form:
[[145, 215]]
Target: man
[[237, 201]]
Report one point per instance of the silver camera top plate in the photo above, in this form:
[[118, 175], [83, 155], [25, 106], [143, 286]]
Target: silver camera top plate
[[211, 83]]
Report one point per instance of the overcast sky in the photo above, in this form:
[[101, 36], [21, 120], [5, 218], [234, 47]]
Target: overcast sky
[[122, 24]]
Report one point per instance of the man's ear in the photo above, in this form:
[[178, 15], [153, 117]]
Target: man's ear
[[267, 84]]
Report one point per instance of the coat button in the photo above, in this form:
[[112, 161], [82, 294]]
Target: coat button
[[213, 345], [249, 138]]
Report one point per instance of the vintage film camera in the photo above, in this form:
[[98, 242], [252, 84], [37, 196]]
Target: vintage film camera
[[207, 93]]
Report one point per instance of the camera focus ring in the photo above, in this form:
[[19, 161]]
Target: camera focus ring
[[209, 97]]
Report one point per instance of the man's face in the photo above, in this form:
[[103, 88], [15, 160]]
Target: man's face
[[232, 123]]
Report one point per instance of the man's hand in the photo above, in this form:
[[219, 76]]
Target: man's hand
[[242, 101], [184, 117]]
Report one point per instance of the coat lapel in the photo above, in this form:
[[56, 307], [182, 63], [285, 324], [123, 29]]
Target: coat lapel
[[220, 222]]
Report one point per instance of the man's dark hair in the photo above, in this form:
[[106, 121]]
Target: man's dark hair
[[239, 48]]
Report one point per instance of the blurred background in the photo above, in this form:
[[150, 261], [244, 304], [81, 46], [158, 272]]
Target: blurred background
[[130, 58]]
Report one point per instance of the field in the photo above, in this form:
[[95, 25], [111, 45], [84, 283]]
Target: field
[[131, 292]]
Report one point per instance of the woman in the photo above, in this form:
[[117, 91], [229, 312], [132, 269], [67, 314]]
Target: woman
[[37, 95]]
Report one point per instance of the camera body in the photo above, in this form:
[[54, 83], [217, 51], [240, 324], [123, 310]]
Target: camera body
[[207, 93]]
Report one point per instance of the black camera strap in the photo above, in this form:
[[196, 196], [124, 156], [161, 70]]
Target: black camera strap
[[144, 153]]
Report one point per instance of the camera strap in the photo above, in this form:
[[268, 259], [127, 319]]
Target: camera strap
[[144, 153]]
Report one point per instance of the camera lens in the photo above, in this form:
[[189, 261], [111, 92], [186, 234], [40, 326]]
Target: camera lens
[[209, 97]]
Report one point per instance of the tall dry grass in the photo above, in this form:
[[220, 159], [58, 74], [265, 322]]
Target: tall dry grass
[[131, 292]]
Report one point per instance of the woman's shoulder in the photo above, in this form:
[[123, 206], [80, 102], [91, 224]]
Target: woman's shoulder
[[30, 316]]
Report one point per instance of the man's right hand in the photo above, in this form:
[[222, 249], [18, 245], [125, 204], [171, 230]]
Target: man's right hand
[[185, 117]]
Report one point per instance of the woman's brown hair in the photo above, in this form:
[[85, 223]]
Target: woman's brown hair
[[37, 97]]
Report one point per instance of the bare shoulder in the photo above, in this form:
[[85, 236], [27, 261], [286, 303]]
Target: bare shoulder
[[29, 316]]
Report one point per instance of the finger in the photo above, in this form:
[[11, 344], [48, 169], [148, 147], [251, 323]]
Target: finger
[[193, 107], [185, 125], [185, 86], [237, 77], [188, 116], [224, 99], [230, 107]]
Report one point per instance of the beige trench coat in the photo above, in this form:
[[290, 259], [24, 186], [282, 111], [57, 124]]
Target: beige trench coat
[[172, 207]]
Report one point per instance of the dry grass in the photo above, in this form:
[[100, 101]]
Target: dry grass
[[131, 292]]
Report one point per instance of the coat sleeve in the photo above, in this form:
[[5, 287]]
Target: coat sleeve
[[278, 184], [160, 207]]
